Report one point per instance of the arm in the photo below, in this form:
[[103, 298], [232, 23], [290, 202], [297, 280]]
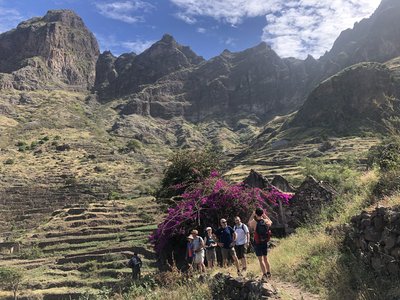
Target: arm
[[267, 220], [247, 236]]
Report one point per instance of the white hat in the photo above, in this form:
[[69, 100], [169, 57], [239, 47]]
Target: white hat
[[208, 228]]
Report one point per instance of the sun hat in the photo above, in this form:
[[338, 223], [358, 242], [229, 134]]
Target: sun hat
[[190, 237], [208, 228]]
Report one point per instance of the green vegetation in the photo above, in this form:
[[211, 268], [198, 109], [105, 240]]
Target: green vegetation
[[10, 279], [186, 167], [316, 256]]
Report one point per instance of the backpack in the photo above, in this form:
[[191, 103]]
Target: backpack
[[242, 227], [134, 262], [262, 233]]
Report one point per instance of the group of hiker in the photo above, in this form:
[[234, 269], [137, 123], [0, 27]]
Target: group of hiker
[[233, 243]]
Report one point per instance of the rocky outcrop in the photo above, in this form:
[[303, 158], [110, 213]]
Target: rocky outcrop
[[364, 96], [228, 287], [257, 180], [56, 50], [128, 73], [375, 238]]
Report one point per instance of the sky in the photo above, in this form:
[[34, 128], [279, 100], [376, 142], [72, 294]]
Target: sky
[[293, 28]]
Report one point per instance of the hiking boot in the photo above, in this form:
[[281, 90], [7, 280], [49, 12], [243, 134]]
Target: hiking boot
[[269, 275], [264, 278]]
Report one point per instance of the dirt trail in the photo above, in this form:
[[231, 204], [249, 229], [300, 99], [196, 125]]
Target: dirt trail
[[290, 291]]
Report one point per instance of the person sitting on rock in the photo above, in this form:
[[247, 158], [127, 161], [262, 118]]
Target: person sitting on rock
[[226, 240], [136, 264], [210, 243], [260, 224]]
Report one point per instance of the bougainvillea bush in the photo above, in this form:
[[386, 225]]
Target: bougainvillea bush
[[206, 202]]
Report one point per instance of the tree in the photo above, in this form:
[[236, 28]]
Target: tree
[[10, 279], [187, 167]]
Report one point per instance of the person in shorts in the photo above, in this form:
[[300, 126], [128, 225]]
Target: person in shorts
[[226, 240], [242, 241], [198, 248], [260, 223], [210, 245]]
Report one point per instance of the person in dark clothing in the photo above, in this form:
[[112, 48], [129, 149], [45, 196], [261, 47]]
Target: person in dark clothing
[[259, 223], [135, 263], [226, 240]]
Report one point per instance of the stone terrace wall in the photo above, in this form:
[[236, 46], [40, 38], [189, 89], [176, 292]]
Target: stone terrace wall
[[375, 238], [227, 287]]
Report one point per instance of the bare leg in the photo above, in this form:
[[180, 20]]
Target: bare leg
[[244, 262], [236, 261], [262, 265], [266, 262]]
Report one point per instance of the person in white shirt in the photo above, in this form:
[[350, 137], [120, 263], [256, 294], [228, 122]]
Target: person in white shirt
[[242, 241]]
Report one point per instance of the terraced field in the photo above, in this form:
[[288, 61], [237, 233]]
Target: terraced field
[[83, 249], [282, 156]]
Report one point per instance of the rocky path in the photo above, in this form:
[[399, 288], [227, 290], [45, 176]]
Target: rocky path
[[290, 291]]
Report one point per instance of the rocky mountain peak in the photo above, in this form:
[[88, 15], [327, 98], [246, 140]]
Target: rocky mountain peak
[[56, 50]]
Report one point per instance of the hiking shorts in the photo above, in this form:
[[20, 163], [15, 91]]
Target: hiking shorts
[[199, 257], [226, 252], [240, 251], [261, 249], [211, 255]]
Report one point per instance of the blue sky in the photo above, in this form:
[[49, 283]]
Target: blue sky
[[292, 27]]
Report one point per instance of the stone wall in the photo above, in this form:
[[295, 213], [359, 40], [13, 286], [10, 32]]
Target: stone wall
[[229, 288], [308, 200], [375, 238]]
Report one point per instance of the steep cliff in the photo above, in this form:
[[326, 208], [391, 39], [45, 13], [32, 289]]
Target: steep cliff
[[56, 50]]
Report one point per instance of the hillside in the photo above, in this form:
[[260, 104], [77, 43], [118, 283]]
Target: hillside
[[85, 137]]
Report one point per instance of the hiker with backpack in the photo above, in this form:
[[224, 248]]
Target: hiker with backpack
[[135, 263], [260, 224], [226, 240], [242, 241], [210, 245]]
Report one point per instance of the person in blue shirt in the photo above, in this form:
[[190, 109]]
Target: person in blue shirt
[[226, 240]]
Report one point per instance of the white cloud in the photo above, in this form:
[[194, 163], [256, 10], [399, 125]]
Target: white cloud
[[186, 18], [299, 28], [201, 30], [137, 46], [125, 11], [9, 18], [293, 27], [117, 47]]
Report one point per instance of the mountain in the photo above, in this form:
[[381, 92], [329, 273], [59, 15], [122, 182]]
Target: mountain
[[365, 96], [255, 81], [376, 39], [54, 51], [126, 74]]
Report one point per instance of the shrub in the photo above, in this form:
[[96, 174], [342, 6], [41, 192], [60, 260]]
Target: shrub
[[33, 252], [205, 203], [343, 176], [385, 156], [113, 195], [388, 184], [9, 161], [10, 279], [185, 168]]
